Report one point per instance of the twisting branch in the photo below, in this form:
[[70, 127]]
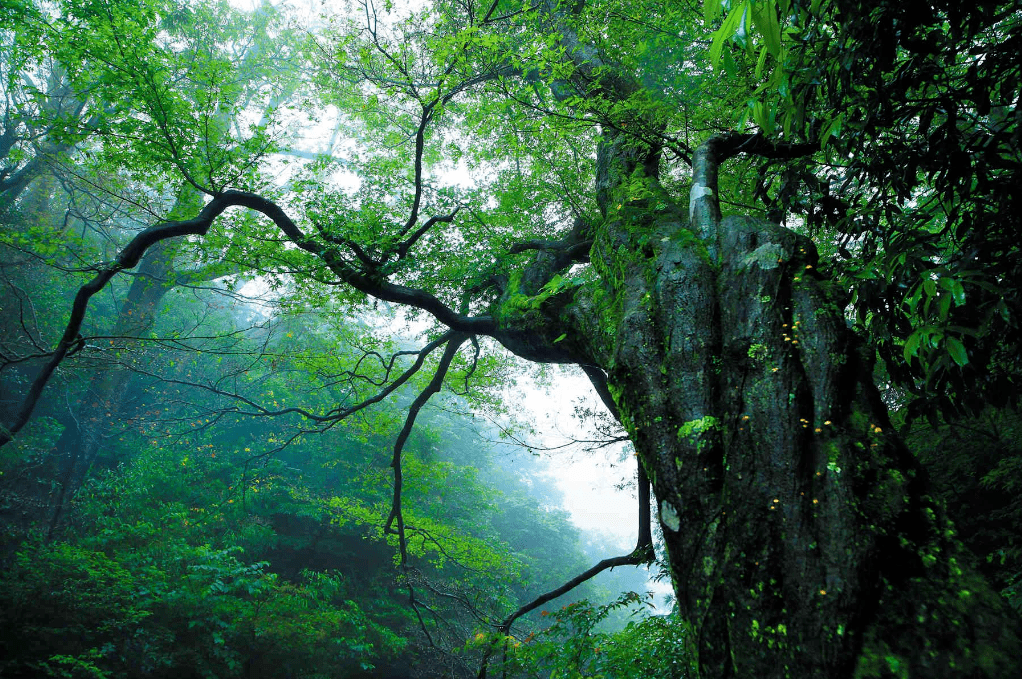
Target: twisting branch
[[453, 344], [129, 257], [369, 284], [420, 144]]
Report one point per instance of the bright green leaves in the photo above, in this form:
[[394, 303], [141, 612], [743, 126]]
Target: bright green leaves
[[727, 30], [762, 14], [957, 351], [764, 18], [168, 96], [932, 301], [771, 41]]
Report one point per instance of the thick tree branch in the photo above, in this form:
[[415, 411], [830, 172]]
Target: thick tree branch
[[133, 252], [704, 196], [128, 258]]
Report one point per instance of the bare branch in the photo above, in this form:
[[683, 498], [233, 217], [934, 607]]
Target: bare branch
[[453, 344]]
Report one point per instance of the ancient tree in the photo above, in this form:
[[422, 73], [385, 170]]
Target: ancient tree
[[800, 532]]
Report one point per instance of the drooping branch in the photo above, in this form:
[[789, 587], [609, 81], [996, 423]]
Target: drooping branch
[[396, 515], [453, 344], [642, 554], [406, 245], [644, 542]]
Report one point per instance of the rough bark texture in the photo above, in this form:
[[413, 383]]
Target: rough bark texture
[[801, 535], [795, 522]]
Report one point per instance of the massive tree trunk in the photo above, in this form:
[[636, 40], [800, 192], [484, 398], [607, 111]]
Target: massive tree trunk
[[800, 532]]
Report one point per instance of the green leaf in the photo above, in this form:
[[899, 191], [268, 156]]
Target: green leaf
[[764, 117], [764, 17], [912, 345], [761, 63], [957, 351], [712, 10], [726, 30], [833, 129], [945, 307], [955, 288], [560, 338]]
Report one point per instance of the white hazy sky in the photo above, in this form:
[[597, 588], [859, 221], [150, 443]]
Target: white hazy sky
[[587, 479]]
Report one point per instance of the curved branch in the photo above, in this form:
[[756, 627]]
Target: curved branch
[[453, 344], [704, 199], [128, 258], [333, 416], [132, 253], [406, 245], [642, 554], [361, 281]]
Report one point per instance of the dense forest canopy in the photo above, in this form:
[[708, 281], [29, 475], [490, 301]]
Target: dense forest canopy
[[767, 231]]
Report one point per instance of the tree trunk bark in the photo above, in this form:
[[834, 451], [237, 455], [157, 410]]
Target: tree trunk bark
[[801, 535]]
